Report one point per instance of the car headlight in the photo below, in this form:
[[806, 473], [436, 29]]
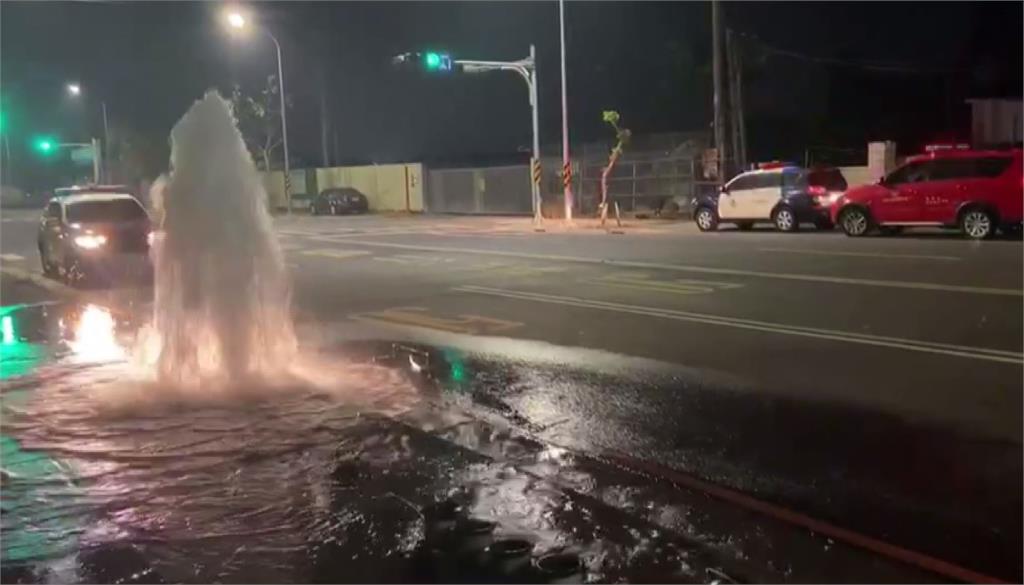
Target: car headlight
[[90, 241], [150, 238]]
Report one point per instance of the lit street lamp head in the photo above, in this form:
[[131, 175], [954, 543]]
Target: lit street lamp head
[[74, 89], [236, 20]]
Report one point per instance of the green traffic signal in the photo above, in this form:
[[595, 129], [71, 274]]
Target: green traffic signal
[[437, 61], [45, 145]]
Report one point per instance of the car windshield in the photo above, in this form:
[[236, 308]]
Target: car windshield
[[114, 210], [550, 291]]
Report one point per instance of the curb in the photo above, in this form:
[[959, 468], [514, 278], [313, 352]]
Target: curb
[[41, 281]]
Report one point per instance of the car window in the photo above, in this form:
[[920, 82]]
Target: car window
[[914, 172], [794, 178], [991, 166], [767, 180], [952, 168], [99, 211], [743, 183], [52, 210]]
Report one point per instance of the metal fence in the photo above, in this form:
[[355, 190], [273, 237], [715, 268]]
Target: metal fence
[[643, 185], [488, 190]]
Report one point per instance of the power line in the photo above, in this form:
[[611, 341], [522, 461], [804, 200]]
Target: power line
[[879, 67]]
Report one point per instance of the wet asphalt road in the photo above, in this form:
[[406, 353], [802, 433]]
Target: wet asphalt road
[[874, 384]]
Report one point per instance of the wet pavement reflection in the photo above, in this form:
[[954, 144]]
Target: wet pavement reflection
[[396, 462]]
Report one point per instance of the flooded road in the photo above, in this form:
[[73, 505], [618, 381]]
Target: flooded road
[[389, 462]]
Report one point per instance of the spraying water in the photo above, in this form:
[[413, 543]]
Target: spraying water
[[221, 293]]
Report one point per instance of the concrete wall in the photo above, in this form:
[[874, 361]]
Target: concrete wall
[[859, 175], [397, 187]]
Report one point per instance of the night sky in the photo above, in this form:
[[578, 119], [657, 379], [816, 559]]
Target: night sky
[[833, 74]]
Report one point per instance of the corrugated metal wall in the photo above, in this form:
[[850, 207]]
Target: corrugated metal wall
[[996, 121]]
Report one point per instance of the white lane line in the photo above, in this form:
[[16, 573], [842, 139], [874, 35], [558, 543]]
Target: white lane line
[[862, 254], [336, 254], [980, 353], [12, 257], [980, 290]]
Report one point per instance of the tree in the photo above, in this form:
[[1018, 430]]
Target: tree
[[621, 139], [259, 120]]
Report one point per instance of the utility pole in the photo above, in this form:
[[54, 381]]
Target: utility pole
[[739, 138], [566, 161], [106, 144], [323, 118], [535, 175], [716, 62], [7, 169], [96, 160]]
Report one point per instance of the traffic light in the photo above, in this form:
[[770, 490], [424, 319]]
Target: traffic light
[[428, 61], [441, 62], [45, 145]]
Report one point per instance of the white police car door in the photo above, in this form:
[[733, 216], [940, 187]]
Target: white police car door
[[766, 194], [737, 200]]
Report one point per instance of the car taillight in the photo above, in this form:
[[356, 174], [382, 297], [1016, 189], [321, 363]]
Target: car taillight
[[816, 190]]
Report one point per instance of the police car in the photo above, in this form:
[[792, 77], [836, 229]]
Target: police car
[[785, 195]]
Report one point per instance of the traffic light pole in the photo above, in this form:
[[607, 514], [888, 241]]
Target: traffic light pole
[[527, 69]]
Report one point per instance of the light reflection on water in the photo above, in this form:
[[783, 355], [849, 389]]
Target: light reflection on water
[[95, 337], [195, 476]]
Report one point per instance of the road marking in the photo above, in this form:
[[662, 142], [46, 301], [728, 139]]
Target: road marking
[[418, 259], [336, 254], [12, 257], [980, 353], [680, 286], [418, 317], [706, 269], [862, 254]]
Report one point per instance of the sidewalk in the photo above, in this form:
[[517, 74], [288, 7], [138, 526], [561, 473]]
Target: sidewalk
[[19, 286]]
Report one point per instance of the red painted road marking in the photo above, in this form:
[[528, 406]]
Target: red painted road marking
[[856, 539]]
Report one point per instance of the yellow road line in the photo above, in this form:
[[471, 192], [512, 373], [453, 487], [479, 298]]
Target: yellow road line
[[418, 317]]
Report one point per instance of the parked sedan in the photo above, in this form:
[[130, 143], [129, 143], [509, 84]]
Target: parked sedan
[[339, 201]]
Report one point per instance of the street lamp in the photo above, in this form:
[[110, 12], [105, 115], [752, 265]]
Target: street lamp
[[75, 90], [237, 21]]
